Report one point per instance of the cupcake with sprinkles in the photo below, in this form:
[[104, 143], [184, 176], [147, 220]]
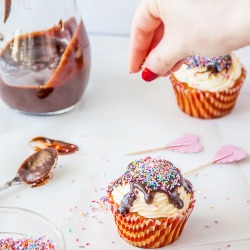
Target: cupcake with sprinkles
[[151, 203], [208, 88]]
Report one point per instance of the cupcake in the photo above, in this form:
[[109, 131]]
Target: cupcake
[[208, 87], [151, 203]]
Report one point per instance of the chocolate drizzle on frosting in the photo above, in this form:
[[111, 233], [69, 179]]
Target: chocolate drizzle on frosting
[[213, 64], [127, 202], [150, 176]]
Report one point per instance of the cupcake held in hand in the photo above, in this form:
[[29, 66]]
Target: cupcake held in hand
[[208, 87], [151, 203]]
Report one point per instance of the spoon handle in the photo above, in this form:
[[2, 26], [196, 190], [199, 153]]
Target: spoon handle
[[15, 181]]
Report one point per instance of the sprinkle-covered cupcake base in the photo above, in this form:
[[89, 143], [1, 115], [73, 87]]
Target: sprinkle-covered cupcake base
[[205, 104]]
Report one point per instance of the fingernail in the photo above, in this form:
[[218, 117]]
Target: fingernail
[[148, 75]]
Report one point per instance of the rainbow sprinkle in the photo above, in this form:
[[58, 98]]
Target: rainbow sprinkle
[[28, 243], [151, 176], [215, 64], [153, 173]]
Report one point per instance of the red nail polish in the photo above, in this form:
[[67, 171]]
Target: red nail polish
[[148, 75]]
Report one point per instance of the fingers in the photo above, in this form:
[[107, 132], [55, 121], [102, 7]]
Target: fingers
[[151, 49], [146, 31], [166, 57], [158, 34], [148, 75], [177, 65]]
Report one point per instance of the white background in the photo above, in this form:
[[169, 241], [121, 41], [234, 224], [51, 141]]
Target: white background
[[108, 16]]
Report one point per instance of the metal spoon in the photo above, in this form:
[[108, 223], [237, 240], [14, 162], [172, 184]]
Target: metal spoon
[[36, 169]]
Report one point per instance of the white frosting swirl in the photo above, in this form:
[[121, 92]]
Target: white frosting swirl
[[203, 79], [160, 206]]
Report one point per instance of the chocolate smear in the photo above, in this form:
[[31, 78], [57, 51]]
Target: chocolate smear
[[7, 8], [63, 148]]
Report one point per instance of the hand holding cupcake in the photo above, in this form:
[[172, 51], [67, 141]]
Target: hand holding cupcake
[[208, 87], [165, 32]]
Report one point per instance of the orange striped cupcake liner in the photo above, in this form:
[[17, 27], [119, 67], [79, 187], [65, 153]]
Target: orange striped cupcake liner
[[150, 233], [205, 104]]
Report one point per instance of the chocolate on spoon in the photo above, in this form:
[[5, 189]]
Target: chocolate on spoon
[[36, 170]]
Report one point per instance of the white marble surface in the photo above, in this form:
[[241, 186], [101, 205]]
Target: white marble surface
[[120, 113]]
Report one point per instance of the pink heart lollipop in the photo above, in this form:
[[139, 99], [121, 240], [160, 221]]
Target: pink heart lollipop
[[229, 154], [226, 154], [188, 143]]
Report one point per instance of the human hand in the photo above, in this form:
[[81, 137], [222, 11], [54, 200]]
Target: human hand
[[164, 32]]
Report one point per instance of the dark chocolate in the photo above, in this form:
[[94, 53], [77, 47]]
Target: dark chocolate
[[37, 168], [7, 9], [168, 182], [63, 148]]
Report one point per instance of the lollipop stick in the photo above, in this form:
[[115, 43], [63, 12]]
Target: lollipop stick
[[226, 154], [192, 171], [188, 143], [147, 151]]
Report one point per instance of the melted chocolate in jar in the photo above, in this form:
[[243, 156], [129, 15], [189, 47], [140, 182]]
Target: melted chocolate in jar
[[49, 71]]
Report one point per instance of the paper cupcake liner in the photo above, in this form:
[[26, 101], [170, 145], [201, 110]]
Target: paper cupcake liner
[[205, 104], [150, 233]]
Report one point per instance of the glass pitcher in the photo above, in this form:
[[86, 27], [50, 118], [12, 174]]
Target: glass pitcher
[[44, 55]]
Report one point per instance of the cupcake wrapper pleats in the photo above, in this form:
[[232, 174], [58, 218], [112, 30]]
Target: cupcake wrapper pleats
[[205, 104], [150, 233]]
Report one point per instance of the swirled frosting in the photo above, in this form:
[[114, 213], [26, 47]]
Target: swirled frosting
[[207, 77], [153, 188]]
